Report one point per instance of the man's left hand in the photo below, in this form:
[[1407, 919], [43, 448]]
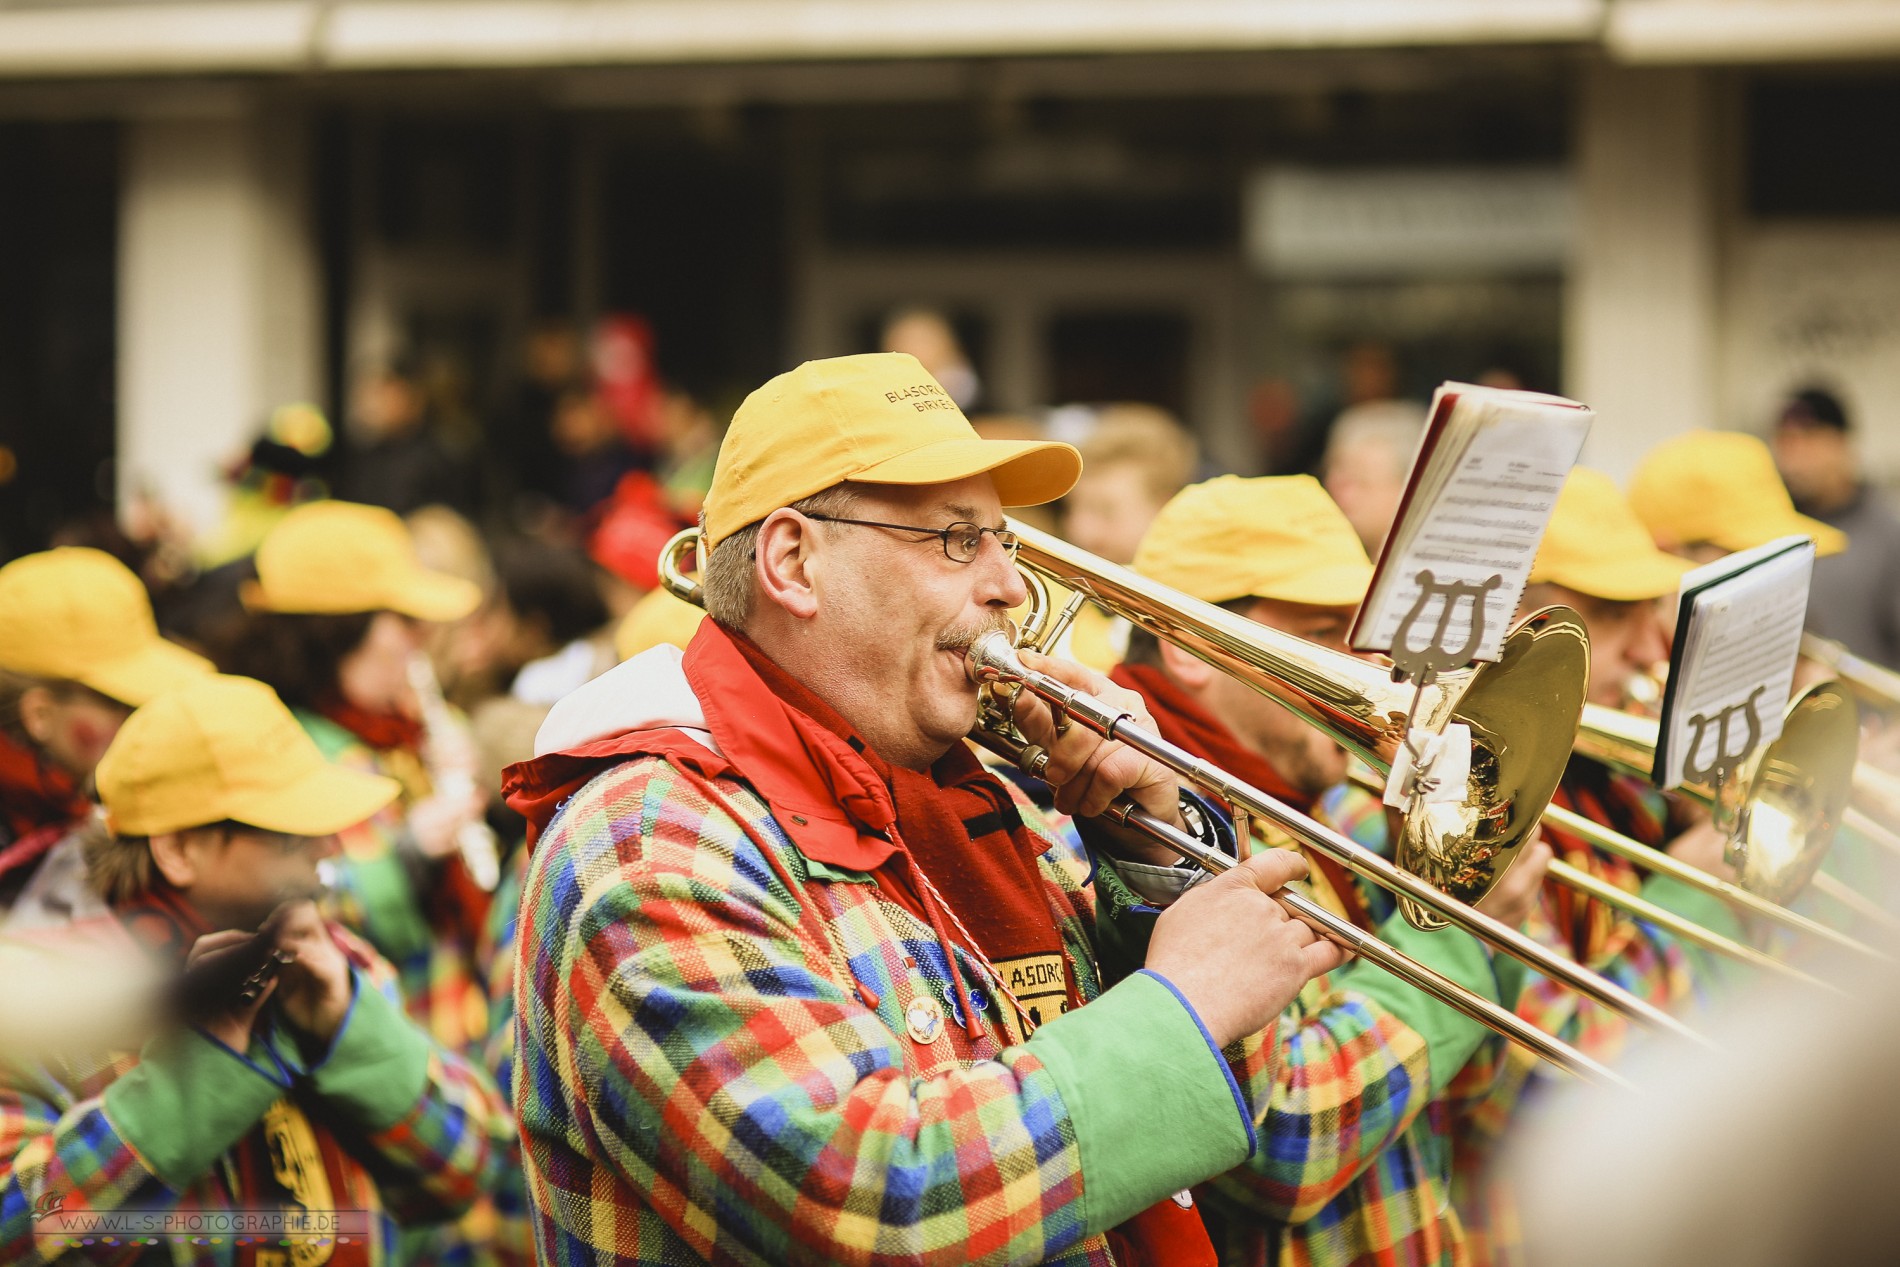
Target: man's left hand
[[1087, 771]]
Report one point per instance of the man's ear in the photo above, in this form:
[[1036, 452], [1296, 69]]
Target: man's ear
[[1189, 670], [176, 859], [782, 563]]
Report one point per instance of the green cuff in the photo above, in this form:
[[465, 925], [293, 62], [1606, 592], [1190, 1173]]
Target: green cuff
[[378, 1064], [1450, 1036], [185, 1104], [1155, 1107]]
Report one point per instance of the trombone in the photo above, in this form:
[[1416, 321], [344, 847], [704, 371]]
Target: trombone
[[1797, 790], [1552, 643], [1878, 688], [1514, 769]]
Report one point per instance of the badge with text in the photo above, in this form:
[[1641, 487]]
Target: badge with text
[[1040, 983]]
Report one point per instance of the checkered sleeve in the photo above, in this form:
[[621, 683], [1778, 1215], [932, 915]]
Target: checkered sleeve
[[435, 1132], [64, 1153], [1349, 1079], [698, 1075]]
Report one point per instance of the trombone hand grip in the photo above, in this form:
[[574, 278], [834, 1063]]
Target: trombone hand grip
[[1126, 813]]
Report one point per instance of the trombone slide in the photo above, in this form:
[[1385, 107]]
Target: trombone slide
[[992, 658]]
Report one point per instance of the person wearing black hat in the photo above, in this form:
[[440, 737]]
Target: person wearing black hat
[[1854, 599]]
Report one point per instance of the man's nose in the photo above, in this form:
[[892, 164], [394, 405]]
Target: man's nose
[[1000, 584]]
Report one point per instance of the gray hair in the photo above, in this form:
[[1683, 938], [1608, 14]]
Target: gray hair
[[726, 586], [1396, 424]]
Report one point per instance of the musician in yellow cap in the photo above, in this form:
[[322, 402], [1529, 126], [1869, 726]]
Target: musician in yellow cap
[[1354, 1164], [337, 617], [288, 1084], [79, 650], [1709, 493], [799, 979], [1598, 558]]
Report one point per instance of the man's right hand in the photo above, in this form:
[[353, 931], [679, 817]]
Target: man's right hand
[[1234, 953], [232, 1027]]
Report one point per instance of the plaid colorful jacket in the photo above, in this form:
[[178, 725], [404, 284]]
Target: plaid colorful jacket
[[423, 1131], [382, 892], [1650, 963], [718, 1058]]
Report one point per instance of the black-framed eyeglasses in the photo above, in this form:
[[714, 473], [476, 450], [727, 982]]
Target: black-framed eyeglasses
[[962, 542]]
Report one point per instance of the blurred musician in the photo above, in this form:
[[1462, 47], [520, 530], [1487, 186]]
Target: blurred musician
[[1355, 1162], [308, 1092]]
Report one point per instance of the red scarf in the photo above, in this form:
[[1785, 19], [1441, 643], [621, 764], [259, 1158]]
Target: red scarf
[[265, 1161], [1619, 803], [380, 730], [39, 804], [1184, 722], [956, 824]]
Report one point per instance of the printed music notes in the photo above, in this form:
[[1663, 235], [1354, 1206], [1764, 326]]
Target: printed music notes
[[1731, 667], [1483, 483]]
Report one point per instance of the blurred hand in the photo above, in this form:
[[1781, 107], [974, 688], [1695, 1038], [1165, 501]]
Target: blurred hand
[[1087, 771], [1234, 953], [313, 988], [435, 820], [231, 1027], [1702, 847], [1511, 899]]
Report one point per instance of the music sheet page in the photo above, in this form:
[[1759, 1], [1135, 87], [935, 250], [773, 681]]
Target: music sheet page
[[1737, 651], [1475, 521]]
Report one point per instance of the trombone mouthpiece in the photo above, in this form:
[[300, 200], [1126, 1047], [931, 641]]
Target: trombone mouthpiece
[[992, 657]]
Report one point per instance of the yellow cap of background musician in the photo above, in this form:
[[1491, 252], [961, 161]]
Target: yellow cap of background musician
[[1596, 545], [227, 748], [334, 557], [1722, 488], [80, 615], [878, 418], [1278, 536], [656, 618]]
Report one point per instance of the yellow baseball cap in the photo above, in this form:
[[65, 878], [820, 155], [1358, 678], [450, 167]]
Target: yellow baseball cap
[[1278, 536], [80, 615], [878, 418], [656, 618], [226, 747], [1720, 487], [334, 557], [1596, 545]]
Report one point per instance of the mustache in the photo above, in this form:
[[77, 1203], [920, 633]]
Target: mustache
[[959, 637]]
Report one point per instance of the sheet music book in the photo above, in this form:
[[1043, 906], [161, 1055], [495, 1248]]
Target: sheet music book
[[1731, 667], [1483, 482]]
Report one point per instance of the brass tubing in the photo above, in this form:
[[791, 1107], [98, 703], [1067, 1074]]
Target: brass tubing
[[1687, 929], [1663, 864], [992, 658]]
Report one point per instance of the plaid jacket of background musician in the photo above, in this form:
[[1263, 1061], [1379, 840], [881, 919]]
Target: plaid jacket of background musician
[[159, 1140]]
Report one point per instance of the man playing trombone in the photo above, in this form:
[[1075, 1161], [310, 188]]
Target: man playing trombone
[[799, 981], [1356, 1166]]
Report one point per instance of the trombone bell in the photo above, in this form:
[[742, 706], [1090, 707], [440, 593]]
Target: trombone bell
[[1522, 711]]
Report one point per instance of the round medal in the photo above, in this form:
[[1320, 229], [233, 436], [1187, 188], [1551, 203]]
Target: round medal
[[924, 1019]]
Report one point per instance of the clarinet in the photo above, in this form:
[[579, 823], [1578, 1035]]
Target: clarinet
[[481, 852], [235, 974]]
